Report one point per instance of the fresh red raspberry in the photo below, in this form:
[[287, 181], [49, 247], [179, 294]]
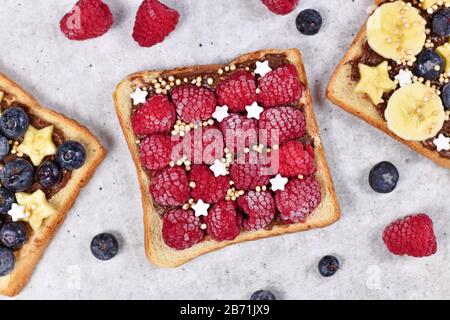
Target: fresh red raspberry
[[281, 7], [237, 91], [223, 222], [412, 236], [295, 160], [181, 229], [208, 188], [156, 115], [298, 200], [288, 122], [193, 103], [259, 208], [239, 131], [279, 87], [88, 19], [170, 187], [248, 176], [155, 151], [154, 22]]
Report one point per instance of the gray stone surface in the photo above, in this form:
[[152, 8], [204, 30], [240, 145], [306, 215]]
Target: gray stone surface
[[77, 78]]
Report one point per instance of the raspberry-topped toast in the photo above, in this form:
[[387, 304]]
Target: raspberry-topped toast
[[225, 154], [45, 159]]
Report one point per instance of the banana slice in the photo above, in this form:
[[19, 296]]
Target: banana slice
[[396, 31], [427, 4], [414, 112], [375, 81], [444, 52], [37, 144]]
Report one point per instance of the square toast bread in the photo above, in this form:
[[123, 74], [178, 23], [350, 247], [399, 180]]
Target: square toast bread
[[157, 251], [29, 255], [341, 92]]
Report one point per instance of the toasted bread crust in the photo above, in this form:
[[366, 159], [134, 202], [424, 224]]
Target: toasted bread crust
[[157, 251], [29, 255]]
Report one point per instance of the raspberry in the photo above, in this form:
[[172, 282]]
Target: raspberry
[[279, 87], [281, 6], [208, 188], [412, 236], [88, 19], [237, 91], [155, 151], [181, 229], [298, 200], [239, 131], [296, 160], [259, 208], [223, 222], [288, 122], [193, 103], [170, 187], [156, 115], [154, 22], [248, 176]]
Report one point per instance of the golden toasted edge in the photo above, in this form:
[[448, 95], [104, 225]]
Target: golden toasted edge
[[29, 255], [157, 251]]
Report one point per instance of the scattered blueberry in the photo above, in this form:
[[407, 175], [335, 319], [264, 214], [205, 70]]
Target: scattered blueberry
[[383, 177], [4, 146], [17, 175], [70, 155], [14, 123], [328, 266], [446, 96], [104, 246], [7, 261], [7, 198], [429, 65], [441, 23], [263, 295], [48, 174], [309, 22], [13, 235]]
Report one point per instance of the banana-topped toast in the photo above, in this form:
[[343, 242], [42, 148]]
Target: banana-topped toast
[[396, 75]]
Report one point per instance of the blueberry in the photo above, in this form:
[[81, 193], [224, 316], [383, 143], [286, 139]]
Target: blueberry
[[7, 261], [4, 146], [17, 175], [14, 123], [446, 96], [48, 174], [328, 266], [70, 155], [7, 198], [104, 246], [383, 177], [13, 235], [263, 295], [309, 22], [441, 23], [429, 65]]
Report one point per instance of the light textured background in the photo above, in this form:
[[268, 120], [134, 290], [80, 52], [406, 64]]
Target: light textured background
[[77, 78]]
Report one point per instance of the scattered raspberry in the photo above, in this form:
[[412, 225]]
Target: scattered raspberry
[[156, 115], [193, 103], [170, 187], [298, 200], [237, 91], [181, 229], [281, 6], [279, 87], [412, 236], [239, 131], [223, 221], [295, 160], [155, 151], [207, 187], [88, 19], [248, 176], [259, 208], [288, 122], [154, 22]]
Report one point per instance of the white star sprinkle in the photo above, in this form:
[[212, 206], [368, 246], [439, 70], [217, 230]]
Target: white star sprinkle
[[278, 183], [220, 113], [219, 168], [201, 208], [442, 143], [138, 96], [404, 77], [262, 68], [254, 110], [17, 212]]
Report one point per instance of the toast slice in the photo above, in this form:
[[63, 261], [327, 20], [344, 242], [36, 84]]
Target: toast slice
[[28, 256], [157, 251], [341, 92]]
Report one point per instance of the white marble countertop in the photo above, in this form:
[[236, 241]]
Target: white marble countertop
[[77, 78]]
